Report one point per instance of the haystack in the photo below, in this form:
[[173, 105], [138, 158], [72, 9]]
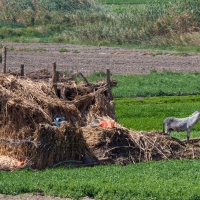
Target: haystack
[[29, 138], [125, 146], [27, 110]]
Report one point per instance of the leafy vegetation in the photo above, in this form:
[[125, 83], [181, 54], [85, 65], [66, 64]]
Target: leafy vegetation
[[164, 180], [75, 51], [122, 1], [154, 24], [63, 50], [127, 1]]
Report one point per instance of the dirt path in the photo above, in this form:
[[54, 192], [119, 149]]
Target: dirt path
[[35, 197], [87, 59]]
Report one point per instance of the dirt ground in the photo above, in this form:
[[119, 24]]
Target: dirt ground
[[87, 59], [35, 197]]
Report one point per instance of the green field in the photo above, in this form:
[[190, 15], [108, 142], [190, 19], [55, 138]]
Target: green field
[[149, 113], [157, 84], [153, 84], [166, 180]]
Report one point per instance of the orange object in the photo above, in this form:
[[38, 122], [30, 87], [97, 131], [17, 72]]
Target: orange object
[[18, 163], [107, 124]]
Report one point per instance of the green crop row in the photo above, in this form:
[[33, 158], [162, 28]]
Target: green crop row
[[157, 84], [166, 180], [153, 84]]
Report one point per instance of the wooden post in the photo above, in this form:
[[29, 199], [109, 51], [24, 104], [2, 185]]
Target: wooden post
[[4, 59], [57, 76], [54, 77], [22, 70], [108, 84]]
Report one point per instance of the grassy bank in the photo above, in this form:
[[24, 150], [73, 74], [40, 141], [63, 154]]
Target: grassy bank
[[156, 24]]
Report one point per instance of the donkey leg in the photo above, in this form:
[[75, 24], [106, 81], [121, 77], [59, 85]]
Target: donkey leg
[[167, 130], [188, 136]]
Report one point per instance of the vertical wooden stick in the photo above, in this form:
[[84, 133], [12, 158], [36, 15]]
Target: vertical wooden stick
[[108, 83], [22, 70], [57, 76], [4, 59], [54, 77]]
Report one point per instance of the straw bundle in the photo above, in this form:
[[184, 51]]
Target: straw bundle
[[10, 163], [127, 146], [27, 110]]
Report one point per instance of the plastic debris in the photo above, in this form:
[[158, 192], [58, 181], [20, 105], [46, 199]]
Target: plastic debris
[[18, 163], [104, 123], [58, 120], [108, 124]]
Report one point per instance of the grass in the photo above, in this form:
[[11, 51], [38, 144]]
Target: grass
[[64, 50], [166, 180], [154, 24], [27, 49], [149, 113], [157, 84], [119, 2], [153, 84], [75, 51]]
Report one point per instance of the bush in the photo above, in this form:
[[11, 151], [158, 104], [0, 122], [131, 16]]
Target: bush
[[63, 50]]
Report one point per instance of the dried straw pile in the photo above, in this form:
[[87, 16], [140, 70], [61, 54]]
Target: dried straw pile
[[10, 163], [27, 135], [27, 109], [127, 146]]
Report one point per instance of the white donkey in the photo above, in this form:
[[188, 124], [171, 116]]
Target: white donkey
[[181, 124]]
